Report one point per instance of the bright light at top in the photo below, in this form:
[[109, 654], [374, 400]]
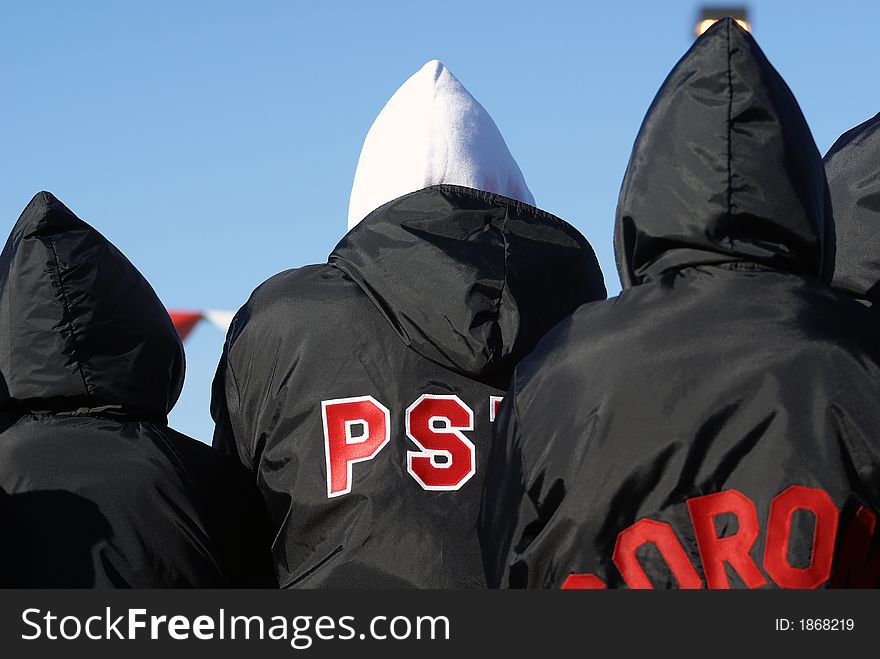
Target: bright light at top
[[705, 24]]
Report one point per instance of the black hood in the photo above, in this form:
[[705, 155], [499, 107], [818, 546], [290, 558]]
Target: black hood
[[82, 330], [469, 279], [724, 169], [852, 166]]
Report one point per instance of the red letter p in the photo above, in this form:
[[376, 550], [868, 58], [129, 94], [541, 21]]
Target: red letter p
[[355, 430]]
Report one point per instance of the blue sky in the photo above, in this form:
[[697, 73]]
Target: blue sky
[[215, 142]]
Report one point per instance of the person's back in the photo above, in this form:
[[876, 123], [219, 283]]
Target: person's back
[[852, 166], [100, 492], [362, 391], [714, 425]]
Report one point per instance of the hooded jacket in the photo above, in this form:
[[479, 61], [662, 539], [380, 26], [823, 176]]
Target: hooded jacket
[[361, 392], [100, 492], [432, 131], [852, 166], [716, 425]]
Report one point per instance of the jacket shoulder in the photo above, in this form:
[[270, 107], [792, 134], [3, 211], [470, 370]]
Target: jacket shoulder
[[299, 295], [205, 465]]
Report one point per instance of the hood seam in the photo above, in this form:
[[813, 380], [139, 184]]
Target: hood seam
[[361, 256], [67, 316], [503, 282], [729, 134], [357, 277]]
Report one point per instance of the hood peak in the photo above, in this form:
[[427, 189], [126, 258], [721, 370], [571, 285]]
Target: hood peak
[[83, 330], [724, 168], [432, 132]]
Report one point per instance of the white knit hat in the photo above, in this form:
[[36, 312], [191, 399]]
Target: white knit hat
[[432, 131]]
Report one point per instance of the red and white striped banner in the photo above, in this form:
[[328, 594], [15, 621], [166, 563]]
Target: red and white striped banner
[[185, 321]]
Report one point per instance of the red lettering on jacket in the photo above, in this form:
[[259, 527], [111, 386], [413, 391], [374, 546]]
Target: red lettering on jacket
[[734, 548], [664, 539], [355, 430], [782, 508], [854, 568], [447, 458], [494, 405], [583, 582], [857, 566]]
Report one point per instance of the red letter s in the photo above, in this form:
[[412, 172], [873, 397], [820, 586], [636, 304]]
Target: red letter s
[[446, 440]]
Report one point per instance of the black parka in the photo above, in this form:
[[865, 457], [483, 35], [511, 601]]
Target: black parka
[[852, 166], [99, 491], [404, 338], [716, 425]]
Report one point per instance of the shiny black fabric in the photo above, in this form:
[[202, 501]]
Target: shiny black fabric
[[99, 492], [725, 365], [437, 292], [852, 166], [741, 184], [77, 319]]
